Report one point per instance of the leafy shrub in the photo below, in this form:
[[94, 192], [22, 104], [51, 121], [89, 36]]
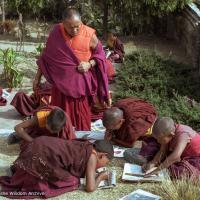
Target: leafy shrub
[[164, 83], [11, 74]]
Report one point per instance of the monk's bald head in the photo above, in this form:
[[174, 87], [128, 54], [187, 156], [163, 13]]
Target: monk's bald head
[[71, 21], [112, 118], [71, 13], [163, 126]]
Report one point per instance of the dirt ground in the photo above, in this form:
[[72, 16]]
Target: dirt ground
[[9, 153]]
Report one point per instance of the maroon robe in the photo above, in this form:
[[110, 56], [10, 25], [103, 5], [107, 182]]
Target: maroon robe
[[2, 100], [66, 133], [49, 166], [118, 48], [139, 117], [73, 91], [27, 105]]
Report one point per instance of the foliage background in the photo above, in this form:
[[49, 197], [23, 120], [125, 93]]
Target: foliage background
[[127, 16], [171, 87]]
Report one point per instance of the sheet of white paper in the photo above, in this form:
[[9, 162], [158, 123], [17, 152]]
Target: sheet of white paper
[[141, 195], [6, 132]]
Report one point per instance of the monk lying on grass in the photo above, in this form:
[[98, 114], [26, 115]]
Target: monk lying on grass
[[48, 121], [179, 150], [52, 166]]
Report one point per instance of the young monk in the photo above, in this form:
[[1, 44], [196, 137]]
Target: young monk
[[128, 120], [49, 121], [179, 150], [51, 166], [116, 46]]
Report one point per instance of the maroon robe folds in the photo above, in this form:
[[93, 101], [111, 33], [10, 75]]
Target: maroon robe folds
[[48, 166], [2, 100], [59, 64], [27, 105], [139, 117]]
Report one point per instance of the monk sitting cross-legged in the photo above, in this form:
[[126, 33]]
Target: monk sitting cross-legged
[[51, 166], [179, 150], [48, 121]]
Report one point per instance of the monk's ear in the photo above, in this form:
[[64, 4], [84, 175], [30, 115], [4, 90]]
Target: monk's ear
[[122, 121], [101, 154]]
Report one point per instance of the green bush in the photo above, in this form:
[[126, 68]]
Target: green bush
[[164, 83], [12, 75]]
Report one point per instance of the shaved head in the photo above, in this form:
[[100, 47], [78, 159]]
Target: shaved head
[[71, 13], [163, 127], [111, 116]]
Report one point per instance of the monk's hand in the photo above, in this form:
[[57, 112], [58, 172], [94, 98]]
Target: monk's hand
[[36, 83], [148, 166], [84, 67], [108, 135], [150, 172], [103, 175]]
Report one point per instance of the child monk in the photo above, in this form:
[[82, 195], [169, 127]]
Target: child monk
[[116, 47], [51, 166], [49, 121], [179, 149]]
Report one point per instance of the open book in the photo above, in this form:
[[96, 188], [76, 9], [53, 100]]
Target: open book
[[133, 173], [111, 182], [141, 195]]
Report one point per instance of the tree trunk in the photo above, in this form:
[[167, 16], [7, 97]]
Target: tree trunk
[[3, 15], [105, 19]]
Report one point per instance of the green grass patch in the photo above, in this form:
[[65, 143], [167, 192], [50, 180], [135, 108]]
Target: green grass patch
[[171, 87]]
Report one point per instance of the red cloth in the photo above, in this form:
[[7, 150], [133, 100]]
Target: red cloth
[[27, 105], [59, 64], [66, 133], [47, 166], [3, 101], [77, 109], [139, 117], [111, 70]]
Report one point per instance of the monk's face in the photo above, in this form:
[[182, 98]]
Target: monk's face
[[72, 25], [164, 139], [102, 160], [115, 125], [111, 37]]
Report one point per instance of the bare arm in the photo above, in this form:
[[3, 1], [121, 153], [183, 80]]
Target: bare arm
[[37, 79], [20, 129], [174, 156], [92, 181], [160, 155]]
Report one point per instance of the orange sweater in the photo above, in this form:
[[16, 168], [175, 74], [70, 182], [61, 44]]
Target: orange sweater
[[80, 44]]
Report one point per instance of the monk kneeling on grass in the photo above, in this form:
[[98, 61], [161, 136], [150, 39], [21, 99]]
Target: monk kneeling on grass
[[48, 121], [179, 150], [128, 120], [52, 166]]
